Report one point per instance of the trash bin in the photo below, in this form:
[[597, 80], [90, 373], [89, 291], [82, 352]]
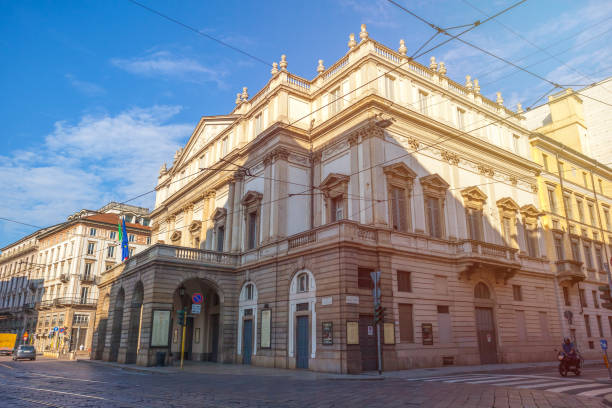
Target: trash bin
[[160, 358]]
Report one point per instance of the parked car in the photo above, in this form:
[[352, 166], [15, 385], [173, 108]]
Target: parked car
[[24, 352], [5, 351]]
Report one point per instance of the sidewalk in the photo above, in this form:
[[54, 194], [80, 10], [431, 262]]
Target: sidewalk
[[239, 369]]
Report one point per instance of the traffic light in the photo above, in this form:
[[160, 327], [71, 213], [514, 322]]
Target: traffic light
[[181, 317], [604, 295], [379, 314]]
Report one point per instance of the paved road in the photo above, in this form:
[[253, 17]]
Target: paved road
[[74, 384]]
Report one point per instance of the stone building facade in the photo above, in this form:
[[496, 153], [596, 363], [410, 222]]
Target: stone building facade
[[277, 213]]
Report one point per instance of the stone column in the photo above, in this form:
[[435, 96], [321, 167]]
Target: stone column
[[379, 195], [354, 199], [279, 194], [229, 222], [237, 210], [267, 196], [317, 198]]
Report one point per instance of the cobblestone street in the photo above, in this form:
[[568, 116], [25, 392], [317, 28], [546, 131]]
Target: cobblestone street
[[80, 384]]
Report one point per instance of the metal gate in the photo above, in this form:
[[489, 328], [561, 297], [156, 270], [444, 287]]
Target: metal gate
[[302, 342], [485, 330], [367, 343], [247, 341]]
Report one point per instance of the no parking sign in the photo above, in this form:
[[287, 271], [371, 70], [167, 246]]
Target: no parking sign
[[197, 298]]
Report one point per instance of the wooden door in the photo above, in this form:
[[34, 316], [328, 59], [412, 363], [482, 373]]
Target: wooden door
[[367, 343], [302, 342], [485, 330], [247, 341]]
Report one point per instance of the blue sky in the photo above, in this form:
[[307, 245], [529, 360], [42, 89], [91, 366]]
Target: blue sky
[[96, 95]]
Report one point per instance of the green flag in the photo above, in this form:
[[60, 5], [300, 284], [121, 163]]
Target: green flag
[[119, 228]]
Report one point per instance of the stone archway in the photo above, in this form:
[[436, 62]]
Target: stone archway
[[135, 308], [102, 327], [117, 323]]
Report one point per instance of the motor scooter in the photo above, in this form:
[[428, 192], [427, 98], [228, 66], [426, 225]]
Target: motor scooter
[[567, 364]]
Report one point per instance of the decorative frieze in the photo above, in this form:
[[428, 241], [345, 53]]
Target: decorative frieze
[[450, 157], [486, 170]]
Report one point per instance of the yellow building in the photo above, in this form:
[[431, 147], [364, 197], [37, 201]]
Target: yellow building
[[575, 195]]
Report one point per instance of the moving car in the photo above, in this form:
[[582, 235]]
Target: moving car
[[24, 352], [5, 352]]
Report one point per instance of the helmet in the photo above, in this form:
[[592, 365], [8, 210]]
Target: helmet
[[567, 340]]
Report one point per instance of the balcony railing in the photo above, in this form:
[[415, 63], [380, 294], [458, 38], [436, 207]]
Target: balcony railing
[[87, 278], [570, 270], [67, 301]]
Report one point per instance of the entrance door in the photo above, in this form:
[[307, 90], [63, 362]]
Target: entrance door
[[485, 330], [188, 337], [214, 321], [101, 338], [247, 341], [367, 343], [302, 342]]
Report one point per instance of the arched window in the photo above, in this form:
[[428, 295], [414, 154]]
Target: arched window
[[302, 283], [481, 291], [248, 292]]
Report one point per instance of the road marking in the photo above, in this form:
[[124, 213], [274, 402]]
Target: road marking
[[594, 393], [538, 385], [34, 401], [68, 378], [439, 378], [518, 382], [61, 392], [573, 387], [468, 379], [498, 379], [7, 366]]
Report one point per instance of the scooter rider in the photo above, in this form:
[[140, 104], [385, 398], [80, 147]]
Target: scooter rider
[[569, 349]]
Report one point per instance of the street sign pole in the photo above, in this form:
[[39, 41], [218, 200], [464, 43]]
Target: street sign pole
[[376, 278], [604, 351], [183, 343]]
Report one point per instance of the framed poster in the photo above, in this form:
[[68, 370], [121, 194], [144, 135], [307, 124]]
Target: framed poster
[[352, 333], [196, 335], [427, 332], [328, 333], [266, 315], [389, 333], [161, 328]]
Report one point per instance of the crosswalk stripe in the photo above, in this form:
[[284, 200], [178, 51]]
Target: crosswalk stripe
[[594, 393], [538, 385], [467, 379], [494, 380], [573, 387], [518, 382], [440, 378]]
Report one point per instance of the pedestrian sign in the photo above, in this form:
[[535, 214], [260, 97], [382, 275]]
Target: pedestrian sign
[[604, 344], [196, 309], [197, 298], [55, 328], [61, 330]]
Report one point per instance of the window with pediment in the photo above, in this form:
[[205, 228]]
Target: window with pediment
[[252, 209], [508, 209], [219, 217], [400, 180], [335, 191], [194, 229], [434, 195], [473, 201], [530, 216]]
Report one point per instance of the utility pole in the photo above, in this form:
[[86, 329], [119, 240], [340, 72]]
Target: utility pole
[[378, 315], [181, 320]]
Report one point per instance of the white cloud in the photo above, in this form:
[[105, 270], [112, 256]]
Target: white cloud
[[87, 88], [86, 164], [167, 64]]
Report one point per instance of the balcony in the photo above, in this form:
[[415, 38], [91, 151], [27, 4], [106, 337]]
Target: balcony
[[570, 270], [477, 256], [64, 277], [75, 301], [87, 278]]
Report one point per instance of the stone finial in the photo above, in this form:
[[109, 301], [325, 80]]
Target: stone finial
[[476, 87], [163, 169], [245, 94], [519, 108], [352, 43], [283, 63], [402, 48], [433, 64], [238, 100], [274, 69], [363, 34], [320, 67], [442, 69], [468, 82], [499, 99]]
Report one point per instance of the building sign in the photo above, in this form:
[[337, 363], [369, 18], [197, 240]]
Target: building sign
[[327, 300], [352, 300], [389, 333], [196, 308], [427, 333], [328, 333], [265, 328], [352, 333], [161, 327]]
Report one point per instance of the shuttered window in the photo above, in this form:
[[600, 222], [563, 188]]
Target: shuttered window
[[403, 281], [406, 325], [474, 218], [398, 209], [433, 217]]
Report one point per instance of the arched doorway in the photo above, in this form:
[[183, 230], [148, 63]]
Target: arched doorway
[[117, 323], [102, 326], [485, 324], [247, 322], [134, 327], [302, 318], [203, 336]]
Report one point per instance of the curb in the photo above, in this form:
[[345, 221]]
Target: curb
[[125, 367]]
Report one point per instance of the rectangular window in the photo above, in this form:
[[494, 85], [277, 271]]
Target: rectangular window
[[545, 161], [606, 213], [252, 238], [516, 292], [585, 180], [580, 207], [364, 281], [507, 226], [337, 209], [113, 235], [587, 255], [110, 251], [403, 281], [599, 326], [566, 296], [131, 238], [460, 118], [84, 293], [225, 146], [444, 325], [568, 206], [131, 250], [595, 299], [405, 321], [335, 101], [592, 214], [389, 87], [531, 236], [423, 102], [516, 144], [434, 216], [399, 217], [575, 250], [87, 271], [587, 326], [258, 124], [220, 237], [582, 295], [92, 232], [148, 240], [599, 258], [552, 201], [474, 218], [91, 248]]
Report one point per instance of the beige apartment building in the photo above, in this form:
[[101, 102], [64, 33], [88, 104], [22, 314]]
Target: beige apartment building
[[70, 259], [378, 163]]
